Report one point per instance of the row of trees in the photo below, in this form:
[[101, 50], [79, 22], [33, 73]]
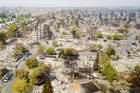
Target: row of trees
[[12, 32], [37, 76], [115, 37]]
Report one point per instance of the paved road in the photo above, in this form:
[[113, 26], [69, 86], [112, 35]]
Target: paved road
[[127, 44], [8, 88]]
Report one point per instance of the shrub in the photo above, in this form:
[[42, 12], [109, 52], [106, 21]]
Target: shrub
[[121, 30], [16, 54], [111, 51], [117, 37], [94, 48], [31, 62], [64, 33], [99, 35], [51, 51], [22, 74], [70, 52], [21, 86], [100, 46], [3, 72], [109, 37], [47, 88]]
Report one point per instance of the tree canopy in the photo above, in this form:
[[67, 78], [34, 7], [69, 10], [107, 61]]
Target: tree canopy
[[21, 86], [51, 51], [31, 62], [47, 88], [22, 74], [39, 75]]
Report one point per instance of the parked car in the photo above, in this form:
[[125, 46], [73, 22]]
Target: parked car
[[27, 54], [8, 76], [134, 43], [42, 57]]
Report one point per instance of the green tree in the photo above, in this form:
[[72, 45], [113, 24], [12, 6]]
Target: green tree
[[3, 15], [47, 88], [21, 86], [99, 35], [68, 52], [106, 68], [74, 31], [110, 72], [51, 51], [64, 33], [13, 30], [22, 74], [79, 17], [39, 75], [31, 62]]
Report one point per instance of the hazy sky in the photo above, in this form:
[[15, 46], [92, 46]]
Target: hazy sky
[[69, 3]]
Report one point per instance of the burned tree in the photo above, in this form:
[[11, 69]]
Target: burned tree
[[47, 33], [36, 29], [92, 31], [69, 56]]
